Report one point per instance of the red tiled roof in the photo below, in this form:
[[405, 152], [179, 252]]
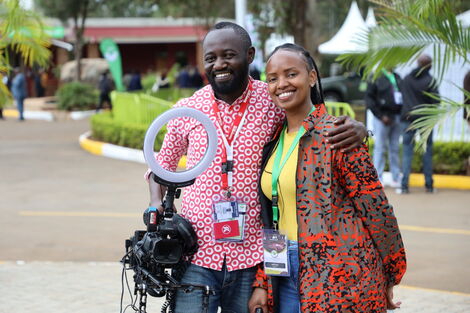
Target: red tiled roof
[[146, 33]]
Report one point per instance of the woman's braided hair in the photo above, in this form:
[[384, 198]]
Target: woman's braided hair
[[316, 92]]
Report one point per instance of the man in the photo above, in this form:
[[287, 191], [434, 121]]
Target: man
[[383, 97], [245, 118], [414, 86], [105, 87], [18, 89]]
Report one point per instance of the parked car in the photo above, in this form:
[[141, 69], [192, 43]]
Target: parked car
[[348, 88]]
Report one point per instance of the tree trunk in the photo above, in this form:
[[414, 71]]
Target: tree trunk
[[77, 49], [312, 30], [299, 21], [79, 31]]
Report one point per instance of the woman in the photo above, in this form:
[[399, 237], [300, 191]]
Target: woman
[[345, 248]]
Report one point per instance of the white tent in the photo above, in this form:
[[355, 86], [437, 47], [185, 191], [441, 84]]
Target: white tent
[[370, 18], [345, 39]]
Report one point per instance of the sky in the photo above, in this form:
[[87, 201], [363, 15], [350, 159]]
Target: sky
[[27, 4]]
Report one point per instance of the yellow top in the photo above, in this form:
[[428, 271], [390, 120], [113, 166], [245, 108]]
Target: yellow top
[[286, 187]]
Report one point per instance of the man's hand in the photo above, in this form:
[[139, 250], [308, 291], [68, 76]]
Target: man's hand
[[390, 304], [348, 134], [259, 299], [156, 193]]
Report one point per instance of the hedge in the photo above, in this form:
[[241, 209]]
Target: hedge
[[448, 157], [77, 96], [105, 128]]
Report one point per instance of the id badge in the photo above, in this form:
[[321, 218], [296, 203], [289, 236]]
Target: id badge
[[398, 97], [229, 221], [275, 253]]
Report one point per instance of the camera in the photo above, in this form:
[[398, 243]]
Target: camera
[[159, 255]]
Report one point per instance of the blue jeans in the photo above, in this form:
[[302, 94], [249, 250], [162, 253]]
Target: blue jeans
[[408, 148], [20, 107], [232, 290], [386, 137], [289, 301]]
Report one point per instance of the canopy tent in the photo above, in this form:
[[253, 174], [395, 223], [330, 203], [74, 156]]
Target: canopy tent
[[370, 18], [345, 39]]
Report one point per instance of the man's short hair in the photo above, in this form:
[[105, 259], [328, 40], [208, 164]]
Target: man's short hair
[[240, 31]]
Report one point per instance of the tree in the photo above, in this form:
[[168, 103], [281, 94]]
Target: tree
[[21, 31], [207, 10], [310, 22], [124, 8], [405, 29], [77, 11]]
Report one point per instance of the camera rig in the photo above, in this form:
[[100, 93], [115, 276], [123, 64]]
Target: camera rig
[[169, 241], [167, 244]]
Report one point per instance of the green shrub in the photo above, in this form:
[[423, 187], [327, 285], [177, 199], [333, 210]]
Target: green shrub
[[173, 94], [77, 96], [137, 108], [131, 135], [448, 157]]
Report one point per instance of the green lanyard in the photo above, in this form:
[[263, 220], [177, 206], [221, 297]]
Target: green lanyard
[[391, 78], [279, 164]]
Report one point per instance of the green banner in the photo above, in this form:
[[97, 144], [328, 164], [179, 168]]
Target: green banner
[[57, 32], [110, 51]]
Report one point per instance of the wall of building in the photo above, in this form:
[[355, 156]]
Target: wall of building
[[152, 57]]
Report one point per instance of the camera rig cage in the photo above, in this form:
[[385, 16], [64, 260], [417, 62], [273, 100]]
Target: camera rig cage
[[169, 241]]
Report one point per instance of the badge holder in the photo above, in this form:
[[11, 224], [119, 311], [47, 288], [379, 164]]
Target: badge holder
[[228, 219], [398, 97], [275, 248]]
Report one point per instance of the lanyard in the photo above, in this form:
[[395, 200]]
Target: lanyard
[[279, 164], [227, 157], [391, 78]]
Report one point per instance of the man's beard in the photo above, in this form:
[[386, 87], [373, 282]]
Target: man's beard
[[230, 86]]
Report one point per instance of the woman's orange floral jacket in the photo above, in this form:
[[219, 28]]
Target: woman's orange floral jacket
[[350, 247]]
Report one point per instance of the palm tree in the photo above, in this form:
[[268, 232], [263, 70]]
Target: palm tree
[[22, 32], [405, 29]]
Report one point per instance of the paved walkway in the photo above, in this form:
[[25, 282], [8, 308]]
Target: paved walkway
[[62, 207], [52, 287]]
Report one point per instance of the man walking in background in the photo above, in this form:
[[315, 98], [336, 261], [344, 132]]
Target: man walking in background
[[18, 89], [414, 87], [384, 99]]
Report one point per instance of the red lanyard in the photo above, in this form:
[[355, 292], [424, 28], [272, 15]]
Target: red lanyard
[[227, 158]]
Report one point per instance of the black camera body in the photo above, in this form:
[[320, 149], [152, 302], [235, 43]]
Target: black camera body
[[168, 240]]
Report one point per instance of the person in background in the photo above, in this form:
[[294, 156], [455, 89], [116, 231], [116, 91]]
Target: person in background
[[105, 87], [227, 267], [466, 87], [6, 82], [195, 78], [326, 207], [183, 79], [383, 97], [135, 83], [38, 84], [414, 87], [18, 89], [254, 72]]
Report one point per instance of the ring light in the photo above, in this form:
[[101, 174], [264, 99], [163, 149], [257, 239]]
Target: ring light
[[149, 142]]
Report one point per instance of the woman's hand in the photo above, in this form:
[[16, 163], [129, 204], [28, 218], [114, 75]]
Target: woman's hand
[[390, 304], [348, 134], [259, 299]]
